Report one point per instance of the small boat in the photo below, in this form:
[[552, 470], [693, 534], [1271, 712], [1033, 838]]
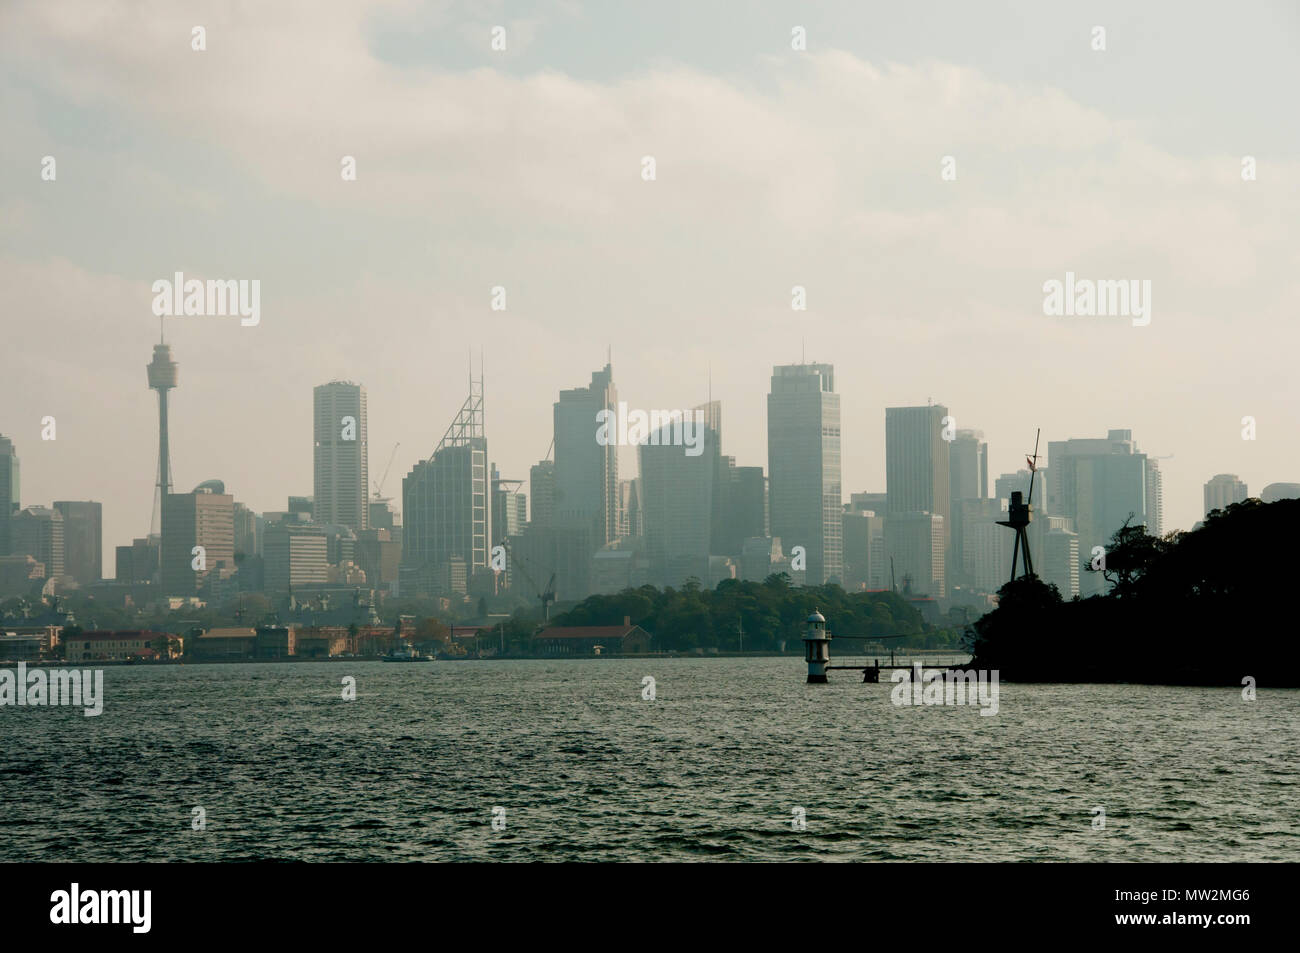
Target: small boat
[[406, 653]]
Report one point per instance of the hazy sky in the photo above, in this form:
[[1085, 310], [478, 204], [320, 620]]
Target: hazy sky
[[522, 168]]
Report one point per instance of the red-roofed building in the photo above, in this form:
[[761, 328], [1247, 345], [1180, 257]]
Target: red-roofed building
[[579, 640]]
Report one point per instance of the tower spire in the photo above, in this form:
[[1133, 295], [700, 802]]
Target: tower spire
[[162, 378]]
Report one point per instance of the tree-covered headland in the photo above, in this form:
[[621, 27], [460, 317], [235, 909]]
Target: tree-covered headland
[[1212, 606], [760, 617]]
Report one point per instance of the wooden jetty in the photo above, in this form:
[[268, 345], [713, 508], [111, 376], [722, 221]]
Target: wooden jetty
[[871, 673]]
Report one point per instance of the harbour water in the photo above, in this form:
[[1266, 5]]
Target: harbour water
[[726, 761]]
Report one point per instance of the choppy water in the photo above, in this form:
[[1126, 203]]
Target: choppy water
[[586, 769]]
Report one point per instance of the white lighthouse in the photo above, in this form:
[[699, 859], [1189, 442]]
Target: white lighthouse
[[817, 643]]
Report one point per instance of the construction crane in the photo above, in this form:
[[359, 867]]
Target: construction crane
[[547, 595], [379, 487]]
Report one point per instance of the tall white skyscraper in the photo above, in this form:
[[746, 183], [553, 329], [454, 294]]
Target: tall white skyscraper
[[805, 500], [342, 468], [1155, 498]]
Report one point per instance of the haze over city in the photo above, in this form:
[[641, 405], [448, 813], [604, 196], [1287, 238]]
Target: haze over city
[[522, 169], [690, 431]]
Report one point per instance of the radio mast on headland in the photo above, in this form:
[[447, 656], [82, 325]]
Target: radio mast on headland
[[1019, 515]]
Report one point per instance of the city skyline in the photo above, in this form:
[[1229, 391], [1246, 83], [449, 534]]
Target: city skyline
[[607, 395], [683, 432]]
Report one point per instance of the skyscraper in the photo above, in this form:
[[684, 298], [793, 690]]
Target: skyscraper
[[163, 376], [968, 466], [677, 503], [968, 479], [877, 503], [296, 556], [38, 532], [741, 507], [1223, 490], [9, 492], [1099, 484], [915, 542], [805, 507], [1155, 498], [1056, 552], [917, 467], [864, 548], [202, 518], [1008, 483], [630, 523], [83, 540], [445, 507], [541, 488], [987, 547], [246, 542], [509, 507], [586, 473], [917, 480], [138, 563], [341, 462]]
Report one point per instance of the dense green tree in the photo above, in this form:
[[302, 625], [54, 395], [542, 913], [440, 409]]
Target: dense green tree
[[771, 612]]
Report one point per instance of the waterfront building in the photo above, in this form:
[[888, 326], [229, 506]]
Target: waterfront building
[[588, 640], [118, 646]]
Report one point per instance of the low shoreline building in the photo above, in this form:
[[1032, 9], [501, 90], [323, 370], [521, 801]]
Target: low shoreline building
[[119, 646], [589, 640], [223, 644]]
